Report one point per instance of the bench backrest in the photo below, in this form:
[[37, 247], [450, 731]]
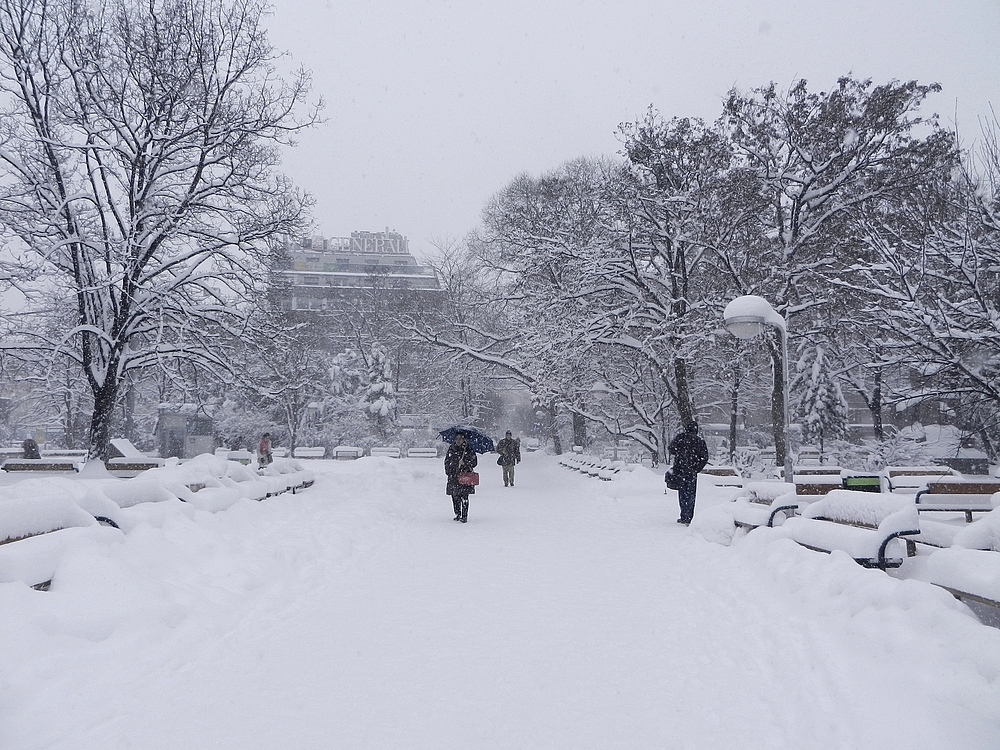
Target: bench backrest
[[388, 451], [817, 470], [720, 471], [421, 453], [40, 464], [917, 471], [960, 487], [346, 452], [766, 492]]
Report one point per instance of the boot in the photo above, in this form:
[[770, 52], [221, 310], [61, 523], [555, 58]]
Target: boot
[[458, 507], [465, 511]]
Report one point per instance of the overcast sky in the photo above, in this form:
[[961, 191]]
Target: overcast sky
[[433, 106]]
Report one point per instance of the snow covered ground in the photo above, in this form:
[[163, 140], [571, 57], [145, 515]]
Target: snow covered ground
[[568, 613]]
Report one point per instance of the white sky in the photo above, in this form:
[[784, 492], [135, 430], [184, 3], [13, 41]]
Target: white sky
[[433, 106]]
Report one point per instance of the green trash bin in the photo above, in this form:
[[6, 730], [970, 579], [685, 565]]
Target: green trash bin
[[863, 483]]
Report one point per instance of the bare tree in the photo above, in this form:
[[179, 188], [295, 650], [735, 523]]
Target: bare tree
[[138, 151]]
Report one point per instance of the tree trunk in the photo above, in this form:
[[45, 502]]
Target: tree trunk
[[554, 430], [129, 420], [100, 423], [685, 409], [579, 430], [875, 406]]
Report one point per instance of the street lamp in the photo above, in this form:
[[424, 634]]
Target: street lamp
[[745, 318]]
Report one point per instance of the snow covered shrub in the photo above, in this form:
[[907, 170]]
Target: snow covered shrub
[[875, 455]]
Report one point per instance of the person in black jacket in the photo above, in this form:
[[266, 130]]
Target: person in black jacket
[[460, 458], [510, 454], [690, 456]]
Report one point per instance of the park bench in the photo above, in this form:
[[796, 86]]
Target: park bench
[[959, 495], [573, 460], [816, 480], [128, 461], [310, 452], [421, 453], [40, 464], [764, 504], [910, 479], [386, 451], [862, 482], [36, 531], [242, 457], [604, 470], [869, 527], [808, 456], [286, 475], [130, 467], [969, 567], [723, 476], [610, 470], [347, 453]]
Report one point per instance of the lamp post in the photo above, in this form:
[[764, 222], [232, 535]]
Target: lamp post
[[745, 318]]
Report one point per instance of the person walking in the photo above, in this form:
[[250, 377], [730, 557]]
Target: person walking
[[690, 455], [510, 454], [460, 459], [264, 456]]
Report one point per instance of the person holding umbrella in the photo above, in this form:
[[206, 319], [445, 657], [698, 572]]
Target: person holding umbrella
[[460, 460]]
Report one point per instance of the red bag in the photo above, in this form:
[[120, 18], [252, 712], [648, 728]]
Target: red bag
[[468, 478]]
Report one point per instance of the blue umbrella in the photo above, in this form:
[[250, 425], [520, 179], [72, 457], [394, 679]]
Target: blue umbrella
[[478, 440]]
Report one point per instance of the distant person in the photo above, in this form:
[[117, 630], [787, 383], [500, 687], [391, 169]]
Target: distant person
[[510, 454], [264, 457], [29, 448], [460, 459], [690, 455]]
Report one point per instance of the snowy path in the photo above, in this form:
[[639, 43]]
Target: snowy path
[[568, 613]]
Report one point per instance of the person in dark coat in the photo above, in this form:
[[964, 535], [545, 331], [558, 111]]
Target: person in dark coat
[[510, 454], [29, 448], [690, 455], [460, 458]]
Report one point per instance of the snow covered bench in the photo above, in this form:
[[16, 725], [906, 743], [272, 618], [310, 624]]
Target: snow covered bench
[[243, 457], [723, 476], [319, 452], [130, 467], [816, 480], [764, 504], [347, 453], [387, 451], [956, 495], [286, 475], [604, 470], [421, 453], [40, 464], [36, 530], [910, 479], [610, 471], [869, 527], [128, 461], [969, 568]]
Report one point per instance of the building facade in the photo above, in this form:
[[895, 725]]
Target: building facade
[[337, 273]]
